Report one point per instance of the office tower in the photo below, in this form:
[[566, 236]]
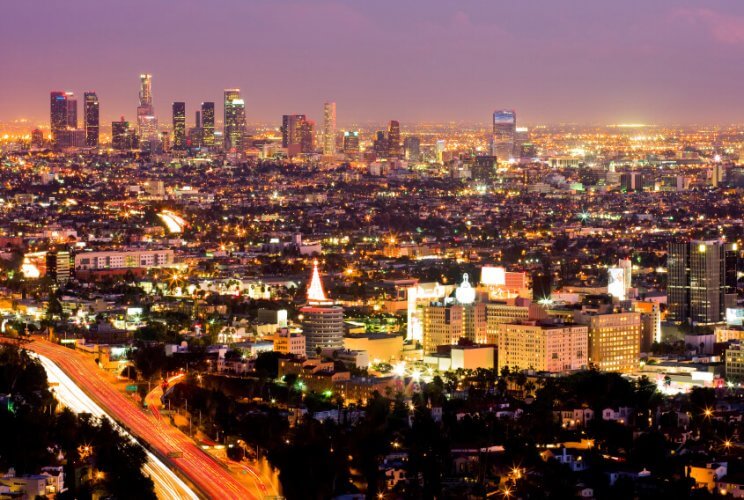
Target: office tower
[[631, 181], [380, 144], [58, 114], [446, 322], [234, 121], [329, 129], [291, 133], [439, 148], [196, 133], [530, 345], [58, 266], [412, 148], [92, 120], [614, 340], [701, 281], [179, 126], [484, 169], [307, 136], [72, 116], [322, 322], [351, 142], [504, 134], [207, 123], [393, 139], [121, 135], [147, 123]]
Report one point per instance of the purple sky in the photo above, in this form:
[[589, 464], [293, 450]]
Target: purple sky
[[587, 61]]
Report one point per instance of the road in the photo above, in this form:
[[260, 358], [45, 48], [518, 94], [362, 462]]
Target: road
[[212, 479], [168, 486]]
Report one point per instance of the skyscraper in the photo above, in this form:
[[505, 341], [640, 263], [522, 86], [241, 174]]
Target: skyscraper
[[72, 116], [307, 136], [393, 139], [121, 135], [412, 148], [207, 118], [58, 114], [234, 121], [291, 125], [701, 281], [329, 129], [179, 126], [92, 119], [322, 322], [351, 142], [504, 134], [147, 124]]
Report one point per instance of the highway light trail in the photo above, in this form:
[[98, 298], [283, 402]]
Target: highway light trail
[[167, 484]]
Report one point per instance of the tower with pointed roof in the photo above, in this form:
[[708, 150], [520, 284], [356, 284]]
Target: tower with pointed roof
[[322, 321]]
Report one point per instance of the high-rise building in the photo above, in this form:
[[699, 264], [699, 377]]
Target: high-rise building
[[291, 132], [58, 266], [446, 322], [307, 136], [37, 138], [614, 340], [503, 136], [412, 148], [393, 139], [207, 124], [72, 114], [380, 144], [484, 169], [122, 136], [147, 123], [329, 129], [179, 126], [322, 321], [234, 133], [92, 119], [351, 142], [58, 114], [701, 281], [530, 345]]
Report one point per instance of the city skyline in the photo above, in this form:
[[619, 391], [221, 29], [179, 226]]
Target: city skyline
[[669, 62]]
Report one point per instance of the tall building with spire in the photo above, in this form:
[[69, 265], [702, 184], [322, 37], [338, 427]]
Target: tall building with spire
[[322, 321], [147, 124], [329, 129], [234, 133]]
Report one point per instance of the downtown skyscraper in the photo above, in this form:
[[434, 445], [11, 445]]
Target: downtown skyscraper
[[207, 124], [92, 119], [329, 129], [234, 133], [147, 124], [503, 135], [701, 281], [63, 118], [179, 126]]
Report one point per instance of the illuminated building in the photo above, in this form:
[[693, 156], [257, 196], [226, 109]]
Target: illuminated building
[[92, 119], [484, 169], [179, 126], [207, 124], [735, 362], [412, 148], [549, 348], [616, 282], [123, 259], [329, 129], [631, 181], [234, 131], [439, 148], [72, 115], [501, 284], [351, 142], [322, 321], [196, 133], [614, 340], [37, 138], [512, 310], [58, 266], [147, 124], [701, 281], [504, 134], [307, 136], [393, 139], [287, 342], [58, 113], [122, 136], [650, 323], [380, 144], [445, 323]]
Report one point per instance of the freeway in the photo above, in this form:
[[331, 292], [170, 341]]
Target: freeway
[[212, 479], [168, 486]]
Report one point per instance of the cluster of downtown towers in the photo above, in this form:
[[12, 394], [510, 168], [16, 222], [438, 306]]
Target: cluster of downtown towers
[[297, 130]]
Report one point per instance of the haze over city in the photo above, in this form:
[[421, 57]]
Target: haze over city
[[582, 62]]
